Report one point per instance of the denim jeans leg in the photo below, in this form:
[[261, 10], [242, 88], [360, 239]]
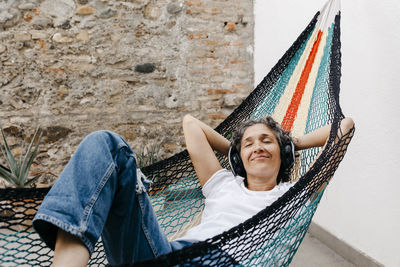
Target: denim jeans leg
[[95, 194], [132, 231]]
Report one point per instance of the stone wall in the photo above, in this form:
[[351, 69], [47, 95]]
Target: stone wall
[[134, 67]]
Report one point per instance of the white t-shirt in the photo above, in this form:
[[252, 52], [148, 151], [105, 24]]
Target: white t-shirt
[[228, 203]]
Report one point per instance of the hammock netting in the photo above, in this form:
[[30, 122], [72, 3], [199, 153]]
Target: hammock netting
[[302, 93]]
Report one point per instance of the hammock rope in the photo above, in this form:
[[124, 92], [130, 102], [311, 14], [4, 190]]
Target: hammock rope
[[302, 93]]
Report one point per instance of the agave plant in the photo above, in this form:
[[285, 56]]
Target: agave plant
[[148, 155], [17, 174]]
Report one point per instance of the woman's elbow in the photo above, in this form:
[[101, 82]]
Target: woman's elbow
[[347, 124]]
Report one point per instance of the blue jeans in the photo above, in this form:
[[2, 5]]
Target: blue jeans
[[102, 193]]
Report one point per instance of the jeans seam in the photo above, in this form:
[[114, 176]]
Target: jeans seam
[[145, 231], [89, 207]]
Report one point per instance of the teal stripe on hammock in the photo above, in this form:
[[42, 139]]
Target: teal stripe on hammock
[[173, 214], [271, 100], [318, 104], [318, 111]]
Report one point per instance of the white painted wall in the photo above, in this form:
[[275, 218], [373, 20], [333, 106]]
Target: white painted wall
[[362, 204]]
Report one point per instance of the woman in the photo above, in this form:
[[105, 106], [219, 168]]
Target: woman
[[102, 193]]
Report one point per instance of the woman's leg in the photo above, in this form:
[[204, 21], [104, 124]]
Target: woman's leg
[[69, 251], [100, 193]]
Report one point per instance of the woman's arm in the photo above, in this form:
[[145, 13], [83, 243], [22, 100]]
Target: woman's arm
[[320, 136], [201, 141]]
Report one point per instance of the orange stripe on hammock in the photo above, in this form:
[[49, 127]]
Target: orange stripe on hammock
[[291, 112]]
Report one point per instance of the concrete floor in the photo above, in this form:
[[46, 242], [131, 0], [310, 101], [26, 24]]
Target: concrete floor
[[313, 253]]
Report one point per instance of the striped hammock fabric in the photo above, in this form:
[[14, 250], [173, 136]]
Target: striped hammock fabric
[[302, 93]]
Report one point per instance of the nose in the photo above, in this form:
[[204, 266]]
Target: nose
[[258, 147]]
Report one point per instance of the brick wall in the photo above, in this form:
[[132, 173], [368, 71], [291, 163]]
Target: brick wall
[[134, 67]]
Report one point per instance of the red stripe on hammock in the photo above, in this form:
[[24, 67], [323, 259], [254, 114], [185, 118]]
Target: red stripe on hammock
[[291, 112]]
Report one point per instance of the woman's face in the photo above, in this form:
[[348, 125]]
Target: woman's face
[[260, 152]]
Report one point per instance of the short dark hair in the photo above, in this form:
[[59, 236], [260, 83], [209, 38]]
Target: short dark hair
[[281, 135]]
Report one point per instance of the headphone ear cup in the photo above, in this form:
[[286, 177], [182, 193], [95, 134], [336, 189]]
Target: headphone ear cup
[[288, 155], [236, 162]]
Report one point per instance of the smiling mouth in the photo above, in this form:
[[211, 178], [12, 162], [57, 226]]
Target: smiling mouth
[[260, 157]]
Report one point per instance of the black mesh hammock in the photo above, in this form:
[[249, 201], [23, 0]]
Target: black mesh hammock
[[302, 93]]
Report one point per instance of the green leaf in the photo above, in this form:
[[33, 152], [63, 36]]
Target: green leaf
[[29, 157], [9, 156], [20, 156], [31, 181], [4, 168], [7, 175], [18, 173]]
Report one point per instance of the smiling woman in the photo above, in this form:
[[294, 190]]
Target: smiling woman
[[266, 151], [267, 154], [273, 134], [260, 153]]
